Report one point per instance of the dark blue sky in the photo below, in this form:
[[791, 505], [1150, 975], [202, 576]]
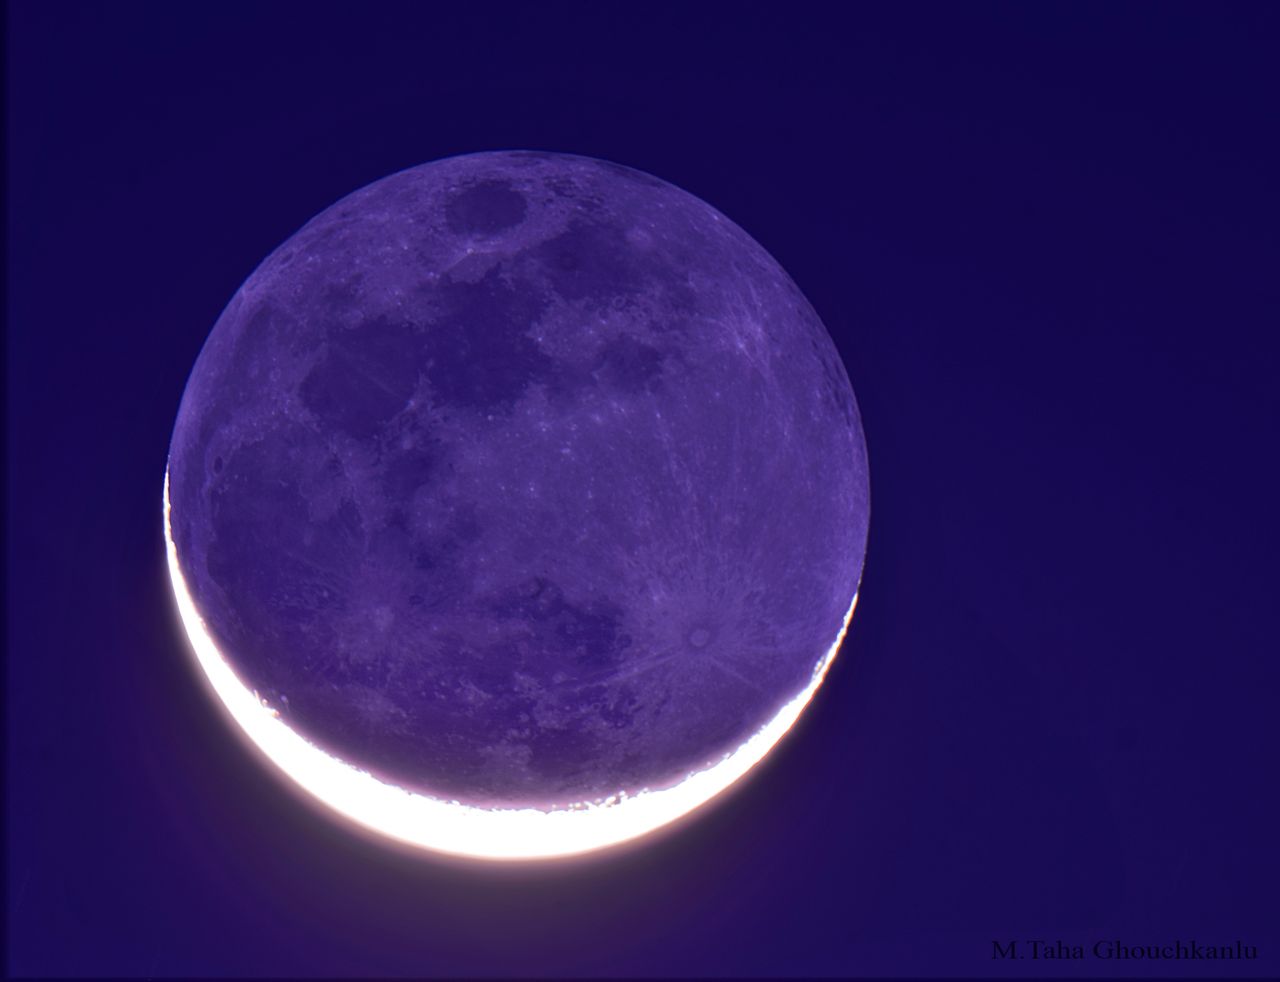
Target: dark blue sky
[[1044, 238]]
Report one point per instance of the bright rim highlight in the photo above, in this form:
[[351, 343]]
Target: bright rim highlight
[[451, 827]]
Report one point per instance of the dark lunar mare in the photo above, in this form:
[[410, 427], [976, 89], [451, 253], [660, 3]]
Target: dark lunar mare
[[521, 478]]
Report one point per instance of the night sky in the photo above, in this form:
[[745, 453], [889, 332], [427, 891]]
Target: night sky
[[1045, 239]]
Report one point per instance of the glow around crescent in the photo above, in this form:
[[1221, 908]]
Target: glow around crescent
[[450, 826]]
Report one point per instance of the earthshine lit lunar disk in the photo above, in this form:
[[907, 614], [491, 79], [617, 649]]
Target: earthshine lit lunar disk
[[516, 505]]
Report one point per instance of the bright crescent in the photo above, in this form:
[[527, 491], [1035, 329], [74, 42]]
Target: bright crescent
[[450, 826]]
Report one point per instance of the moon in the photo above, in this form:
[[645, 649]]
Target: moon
[[516, 505]]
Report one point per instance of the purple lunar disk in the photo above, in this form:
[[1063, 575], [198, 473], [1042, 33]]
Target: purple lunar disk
[[521, 479]]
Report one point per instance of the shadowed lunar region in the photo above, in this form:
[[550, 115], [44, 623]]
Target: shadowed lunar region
[[517, 491]]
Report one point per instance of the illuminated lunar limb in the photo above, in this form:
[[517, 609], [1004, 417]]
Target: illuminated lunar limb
[[450, 826]]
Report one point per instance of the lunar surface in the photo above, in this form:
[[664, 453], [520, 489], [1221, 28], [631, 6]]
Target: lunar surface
[[522, 482]]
